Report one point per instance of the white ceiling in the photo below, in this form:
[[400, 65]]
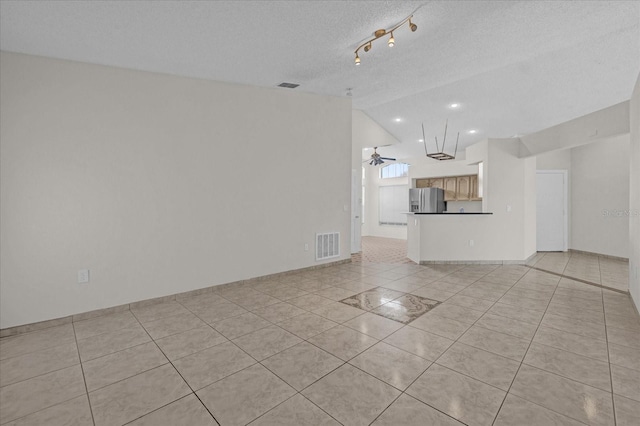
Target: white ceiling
[[515, 67]]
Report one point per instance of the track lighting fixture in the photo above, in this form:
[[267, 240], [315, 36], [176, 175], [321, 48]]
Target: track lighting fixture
[[381, 33]]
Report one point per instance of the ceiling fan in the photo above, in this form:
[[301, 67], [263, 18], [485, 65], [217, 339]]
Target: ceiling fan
[[376, 159]]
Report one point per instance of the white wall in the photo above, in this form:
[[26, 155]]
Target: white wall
[[598, 181], [554, 160], [634, 198], [529, 223], [600, 197], [603, 124], [157, 184], [367, 133], [511, 197]]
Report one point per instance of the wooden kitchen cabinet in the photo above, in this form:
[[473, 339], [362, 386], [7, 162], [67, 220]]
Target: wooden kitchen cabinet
[[450, 188], [456, 188], [437, 183], [430, 183], [463, 188], [422, 183], [474, 188]]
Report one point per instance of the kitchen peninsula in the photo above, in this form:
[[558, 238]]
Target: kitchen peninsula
[[498, 225], [451, 237]]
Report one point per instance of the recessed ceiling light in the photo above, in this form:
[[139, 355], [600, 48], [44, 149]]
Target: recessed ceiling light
[[454, 105], [367, 149], [420, 140], [472, 131], [397, 120]]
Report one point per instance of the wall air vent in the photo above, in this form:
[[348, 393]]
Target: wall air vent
[[288, 85], [327, 245]]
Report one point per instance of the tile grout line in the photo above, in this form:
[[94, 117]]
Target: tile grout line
[[435, 361], [153, 340], [177, 371], [260, 362], [580, 280], [479, 325], [53, 371], [42, 374], [524, 356], [345, 363], [600, 274], [84, 378], [160, 408], [284, 381], [568, 352], [606, 336], [342, 323]]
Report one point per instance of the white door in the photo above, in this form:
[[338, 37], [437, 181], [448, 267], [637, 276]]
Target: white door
[[356, 210], [551, 210]]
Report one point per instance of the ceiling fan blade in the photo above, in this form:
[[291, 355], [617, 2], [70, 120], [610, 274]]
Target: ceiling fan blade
[[387, 158]]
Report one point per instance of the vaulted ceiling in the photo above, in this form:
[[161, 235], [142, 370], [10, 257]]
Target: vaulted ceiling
[[513, 67]]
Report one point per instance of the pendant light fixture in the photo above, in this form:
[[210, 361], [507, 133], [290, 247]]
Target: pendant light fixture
[[440, 154], [381, 33]]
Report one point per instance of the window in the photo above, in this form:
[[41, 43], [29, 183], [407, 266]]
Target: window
[[394, 171], [393, 205]]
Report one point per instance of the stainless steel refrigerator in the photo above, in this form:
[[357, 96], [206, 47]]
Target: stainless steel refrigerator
[[426, 200]]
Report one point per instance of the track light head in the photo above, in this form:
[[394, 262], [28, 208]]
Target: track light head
[[379, 33], [413, 26], [367, 47], [392, 41], [357, 61]]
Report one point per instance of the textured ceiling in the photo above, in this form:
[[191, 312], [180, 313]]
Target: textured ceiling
[[515, 67]]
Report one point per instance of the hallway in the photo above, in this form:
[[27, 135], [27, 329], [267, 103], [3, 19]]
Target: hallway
[[382, 250]]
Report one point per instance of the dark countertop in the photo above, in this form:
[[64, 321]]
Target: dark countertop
[[453, 213]]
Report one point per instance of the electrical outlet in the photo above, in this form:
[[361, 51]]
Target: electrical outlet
[[83, 276], [471, 243], [306, 247]]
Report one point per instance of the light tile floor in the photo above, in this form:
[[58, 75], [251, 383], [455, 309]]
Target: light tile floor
[[507, 345], [600, 270]]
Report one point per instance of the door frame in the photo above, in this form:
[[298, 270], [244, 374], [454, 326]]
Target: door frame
[[356, 211], [565, 180]]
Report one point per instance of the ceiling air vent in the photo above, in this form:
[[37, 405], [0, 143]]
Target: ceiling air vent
[[288, 85]]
